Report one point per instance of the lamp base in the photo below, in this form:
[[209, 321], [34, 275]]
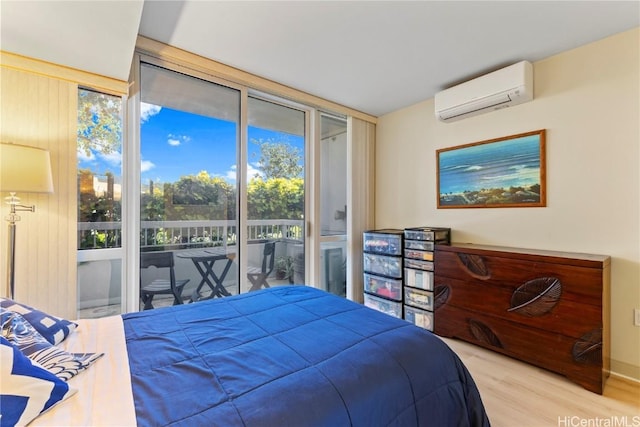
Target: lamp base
[[11, 261], [12, 218]]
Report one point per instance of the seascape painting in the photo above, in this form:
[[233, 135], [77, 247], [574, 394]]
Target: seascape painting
[[501, 172]]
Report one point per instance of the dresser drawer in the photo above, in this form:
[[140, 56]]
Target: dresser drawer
[[579, 359], [578, 283], [533, 309]]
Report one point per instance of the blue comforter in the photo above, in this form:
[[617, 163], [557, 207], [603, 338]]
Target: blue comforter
[[293, 356]]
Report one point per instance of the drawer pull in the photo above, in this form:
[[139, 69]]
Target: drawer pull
[[484, 334], [536, 297], [474, 265], [588, 348], [441, 295]]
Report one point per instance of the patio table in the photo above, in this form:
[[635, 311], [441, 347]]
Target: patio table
[[204, 260]]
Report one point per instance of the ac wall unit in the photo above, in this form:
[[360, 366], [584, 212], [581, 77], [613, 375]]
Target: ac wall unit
[[503, 88]]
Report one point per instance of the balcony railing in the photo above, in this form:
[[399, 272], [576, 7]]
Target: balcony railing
[[186, 234]]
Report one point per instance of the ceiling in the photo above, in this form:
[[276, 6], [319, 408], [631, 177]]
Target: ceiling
[[372, 56]]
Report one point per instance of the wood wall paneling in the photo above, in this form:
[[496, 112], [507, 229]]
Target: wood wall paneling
[[41, 111]]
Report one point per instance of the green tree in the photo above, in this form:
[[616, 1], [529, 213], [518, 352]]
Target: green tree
[[279, 159], [275, 198], [99, 122], [200, 196]]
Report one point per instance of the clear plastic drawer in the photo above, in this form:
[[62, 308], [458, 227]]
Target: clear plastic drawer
[[383, 286], [415, 254], [385, 265], [418, 279], [427, 233], [384, 305], [418, 264], [421, 318], [420, 245], [418, 298], [386, 242]]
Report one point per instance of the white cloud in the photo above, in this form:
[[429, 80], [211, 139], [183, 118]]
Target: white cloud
[[84, 157], [252, 171], [148, 110], [176, 140], [232, 174], [114, 159], [146, 165]]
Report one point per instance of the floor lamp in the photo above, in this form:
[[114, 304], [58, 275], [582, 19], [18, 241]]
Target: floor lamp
[[23, 169]]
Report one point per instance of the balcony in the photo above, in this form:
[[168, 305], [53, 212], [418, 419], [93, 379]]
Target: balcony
[[100, 259]]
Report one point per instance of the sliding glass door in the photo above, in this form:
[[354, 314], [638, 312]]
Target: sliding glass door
[[189, 139], [275, 170], [209, 165]]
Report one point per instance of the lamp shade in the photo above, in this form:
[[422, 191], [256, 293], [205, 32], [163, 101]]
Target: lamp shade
[[25, 169]]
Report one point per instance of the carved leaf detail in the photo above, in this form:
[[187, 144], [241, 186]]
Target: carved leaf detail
[[441, 296], [588, 348], [484, 334], [536, 297], [474, 265]]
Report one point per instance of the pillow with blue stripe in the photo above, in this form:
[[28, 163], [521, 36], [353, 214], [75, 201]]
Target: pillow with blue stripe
[[52, 328], [23, 335], [26, 390]]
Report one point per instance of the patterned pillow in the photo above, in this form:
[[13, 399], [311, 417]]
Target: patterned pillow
[[20, 333], [26, 390], [53, 328]]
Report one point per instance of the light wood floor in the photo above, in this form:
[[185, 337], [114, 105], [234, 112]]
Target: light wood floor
[[518, 394]]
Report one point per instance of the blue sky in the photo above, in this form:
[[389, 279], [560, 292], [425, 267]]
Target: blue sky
[[176, 143]]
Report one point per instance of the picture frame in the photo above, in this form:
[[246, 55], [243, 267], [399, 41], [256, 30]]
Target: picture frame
[[503, 172]]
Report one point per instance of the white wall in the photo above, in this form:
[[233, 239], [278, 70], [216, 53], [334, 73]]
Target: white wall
[[588, 101]]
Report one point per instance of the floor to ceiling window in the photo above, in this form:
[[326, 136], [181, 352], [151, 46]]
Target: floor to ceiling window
[[99, 147], [333, 204]]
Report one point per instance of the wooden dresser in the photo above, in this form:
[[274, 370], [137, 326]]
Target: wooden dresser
[[547, 308]]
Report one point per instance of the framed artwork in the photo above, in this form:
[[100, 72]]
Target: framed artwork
[[498, 173]]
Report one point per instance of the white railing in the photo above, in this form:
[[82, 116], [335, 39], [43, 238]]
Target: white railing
[[185, 234]]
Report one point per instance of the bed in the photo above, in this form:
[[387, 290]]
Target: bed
[[284, 356]]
